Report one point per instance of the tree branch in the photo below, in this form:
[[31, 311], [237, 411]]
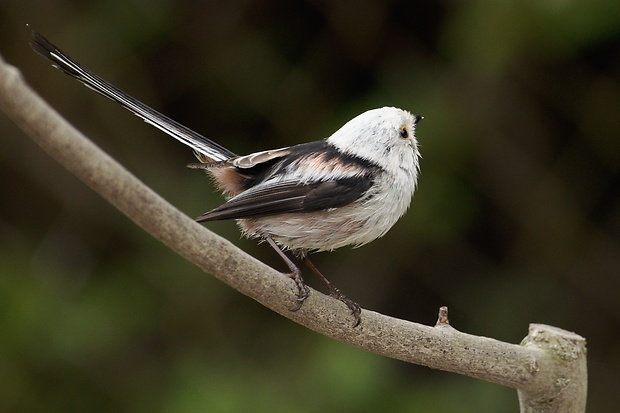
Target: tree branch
[[542, 375]]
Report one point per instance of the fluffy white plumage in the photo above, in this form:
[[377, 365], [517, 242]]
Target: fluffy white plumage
[[377, 137]]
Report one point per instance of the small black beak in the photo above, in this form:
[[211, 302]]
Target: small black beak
[[417, 119]]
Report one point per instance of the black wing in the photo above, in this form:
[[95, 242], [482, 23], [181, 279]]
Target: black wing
[[286, 197]]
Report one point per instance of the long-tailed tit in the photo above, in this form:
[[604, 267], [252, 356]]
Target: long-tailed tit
[[348, 189]]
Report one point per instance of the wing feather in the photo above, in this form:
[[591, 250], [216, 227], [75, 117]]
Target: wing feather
[[272, 198]]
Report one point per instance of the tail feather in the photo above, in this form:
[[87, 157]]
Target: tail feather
[[194, 140]]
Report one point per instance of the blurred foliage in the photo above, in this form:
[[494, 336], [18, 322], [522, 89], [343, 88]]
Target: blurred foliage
[[516, 220]]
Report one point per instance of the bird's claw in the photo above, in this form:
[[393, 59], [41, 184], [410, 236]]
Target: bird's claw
[[303, 291], [355, 308]]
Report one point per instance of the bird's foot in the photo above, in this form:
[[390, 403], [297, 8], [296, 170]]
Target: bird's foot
[[303, 291], [355, 308]]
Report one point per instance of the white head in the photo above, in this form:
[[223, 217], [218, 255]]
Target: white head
[[384, 136]]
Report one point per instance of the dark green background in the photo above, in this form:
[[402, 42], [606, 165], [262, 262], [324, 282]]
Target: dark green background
[[516, 220]]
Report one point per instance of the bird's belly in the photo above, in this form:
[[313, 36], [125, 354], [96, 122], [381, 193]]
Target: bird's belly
[[356, 224]]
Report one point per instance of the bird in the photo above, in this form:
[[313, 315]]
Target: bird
[[345, 190]]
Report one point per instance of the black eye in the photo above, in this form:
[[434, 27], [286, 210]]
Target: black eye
[[404, 133]]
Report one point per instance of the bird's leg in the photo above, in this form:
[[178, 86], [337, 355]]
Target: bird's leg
[[335, 292], [295, 274]]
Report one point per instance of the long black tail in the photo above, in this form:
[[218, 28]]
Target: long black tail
[[194, 140]]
